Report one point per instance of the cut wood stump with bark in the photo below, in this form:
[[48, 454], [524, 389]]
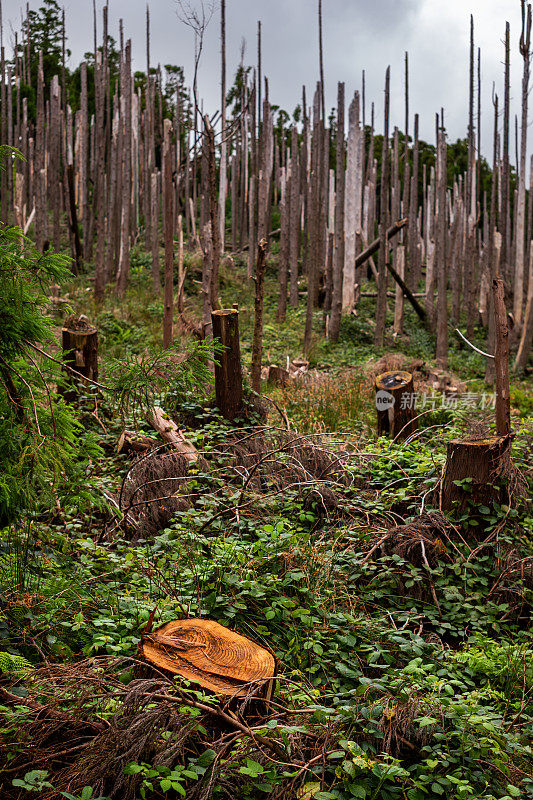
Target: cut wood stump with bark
[[395, 404], [228, 370], [203, 651], [278, 375], [80, 355], [473, 473], [131, 442]]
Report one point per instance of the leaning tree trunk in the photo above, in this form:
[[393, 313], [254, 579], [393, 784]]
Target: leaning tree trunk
[[395, 404]]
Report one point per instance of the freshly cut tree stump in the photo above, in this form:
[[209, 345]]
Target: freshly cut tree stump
[[482, 461], [395, 404], [228, 371], [80, 353], [211, 655]]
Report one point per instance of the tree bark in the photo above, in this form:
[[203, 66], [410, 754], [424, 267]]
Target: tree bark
[[228, 371], [381, 304], [168, 200], [338, 256], [80, 353], [395, 404], [257, 342]]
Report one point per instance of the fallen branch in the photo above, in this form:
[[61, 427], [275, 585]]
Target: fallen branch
[[170, 432]]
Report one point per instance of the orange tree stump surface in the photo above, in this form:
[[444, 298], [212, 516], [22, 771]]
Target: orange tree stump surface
[[203, 651]]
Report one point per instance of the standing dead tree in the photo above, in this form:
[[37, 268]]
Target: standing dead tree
[[520, 250], [381, 306], [257, 341]]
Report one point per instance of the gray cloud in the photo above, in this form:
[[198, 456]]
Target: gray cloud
[[358, 34]]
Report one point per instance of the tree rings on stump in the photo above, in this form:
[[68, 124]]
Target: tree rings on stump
[[80, 353], [480, 460], [395, 404], [218, 659]]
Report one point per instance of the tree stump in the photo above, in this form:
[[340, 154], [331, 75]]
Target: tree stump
[[278, 375], [395, 404], [228, 371], [479, 461], [213, 656], [80, 354]]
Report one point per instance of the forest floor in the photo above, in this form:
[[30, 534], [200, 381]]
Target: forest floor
[[403, 636]]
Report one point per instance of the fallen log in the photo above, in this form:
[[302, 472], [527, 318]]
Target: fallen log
[[211, 655], [374, 247], [170, 432], [131, 442]]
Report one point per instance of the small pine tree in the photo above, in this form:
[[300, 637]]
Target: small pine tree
[[38, 432]]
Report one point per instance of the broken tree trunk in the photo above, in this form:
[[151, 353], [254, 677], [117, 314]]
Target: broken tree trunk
[[477, 464], [228, 372], [169, 431], [395, 404], [481, 464], [80, 353], [218, 659]]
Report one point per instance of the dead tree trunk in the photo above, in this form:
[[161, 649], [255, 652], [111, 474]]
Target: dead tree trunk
[[168, 200], [520, 250], [381, 304], [257, 342], [440, 254], [338, 256], [395, 404], [484, 462], [228, 372], [80, 356]]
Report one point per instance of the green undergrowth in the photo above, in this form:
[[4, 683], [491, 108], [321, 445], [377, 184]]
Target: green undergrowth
[[403, 637]]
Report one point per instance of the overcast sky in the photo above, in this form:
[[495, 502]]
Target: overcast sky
[[358, 34]]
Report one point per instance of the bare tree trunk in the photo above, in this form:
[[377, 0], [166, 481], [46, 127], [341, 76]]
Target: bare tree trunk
[[154, 231], [381, 304], [505, 199], [124, 255], [41, 227], [352, 203], [501, 361], [168, 205], [209, 143], [285, 214], [294, 222], [525, 46], [223, 145], [338, 256], [257, 341], [228, 371], [440, 255], [492, 265], [526, 339]]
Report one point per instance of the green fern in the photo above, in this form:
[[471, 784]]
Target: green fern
[[13, 665]]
